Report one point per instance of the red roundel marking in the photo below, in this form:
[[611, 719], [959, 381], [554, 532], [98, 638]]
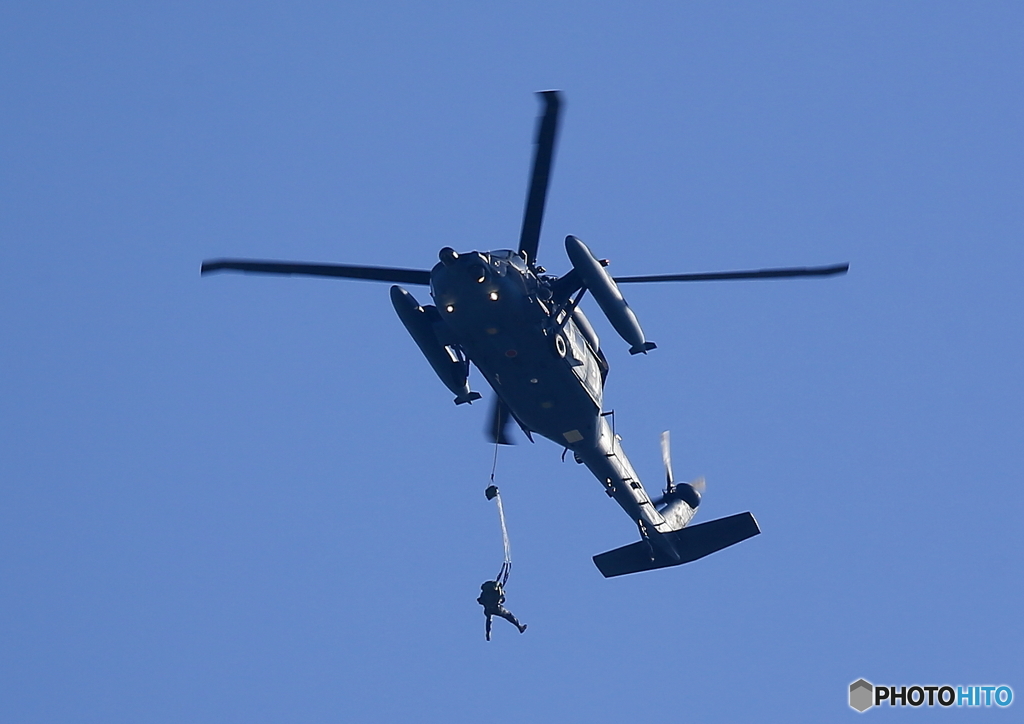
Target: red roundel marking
[[511, 353]]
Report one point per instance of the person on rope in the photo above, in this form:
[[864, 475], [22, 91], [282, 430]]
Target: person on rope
[[492, 593], [492, 596]]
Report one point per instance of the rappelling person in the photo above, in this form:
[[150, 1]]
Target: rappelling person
[[491, 598], [492, 593]]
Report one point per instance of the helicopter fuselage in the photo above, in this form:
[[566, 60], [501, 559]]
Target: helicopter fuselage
[[532, 353], [543, 360]]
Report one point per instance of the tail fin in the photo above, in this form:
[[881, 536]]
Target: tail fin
[[691, 543]]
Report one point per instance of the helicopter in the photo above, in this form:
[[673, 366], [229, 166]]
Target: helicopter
[[524, 330]]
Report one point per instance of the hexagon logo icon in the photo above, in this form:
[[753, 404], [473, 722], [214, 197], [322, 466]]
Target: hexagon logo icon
[[861, 695]]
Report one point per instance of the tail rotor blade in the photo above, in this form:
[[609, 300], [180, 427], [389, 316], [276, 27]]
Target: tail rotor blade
[[666, 458], [533, 215], [699, 485]]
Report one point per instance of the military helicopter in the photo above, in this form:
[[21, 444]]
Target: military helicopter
[[524, 331]]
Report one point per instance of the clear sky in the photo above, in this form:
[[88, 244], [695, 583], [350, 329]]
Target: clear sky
[[247, 499]]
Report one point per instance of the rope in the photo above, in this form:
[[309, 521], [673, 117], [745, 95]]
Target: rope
[[506, 566]]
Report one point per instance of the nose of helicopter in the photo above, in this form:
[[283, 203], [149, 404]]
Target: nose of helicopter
[[460, 268], [462, 277]]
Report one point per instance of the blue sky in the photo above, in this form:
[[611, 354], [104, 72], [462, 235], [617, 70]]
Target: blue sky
[[243, 499]]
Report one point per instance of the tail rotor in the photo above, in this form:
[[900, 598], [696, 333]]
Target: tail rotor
[[666, 458], [678, 491]]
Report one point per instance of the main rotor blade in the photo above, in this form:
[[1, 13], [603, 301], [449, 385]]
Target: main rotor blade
[[500, 423], [798, 271], [345, 271], [533, 214]]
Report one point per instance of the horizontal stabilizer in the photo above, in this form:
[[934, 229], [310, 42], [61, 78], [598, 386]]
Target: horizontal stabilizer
[[691, 543]]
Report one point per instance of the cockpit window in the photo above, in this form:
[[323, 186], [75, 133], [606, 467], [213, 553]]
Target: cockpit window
[[502, 254]]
